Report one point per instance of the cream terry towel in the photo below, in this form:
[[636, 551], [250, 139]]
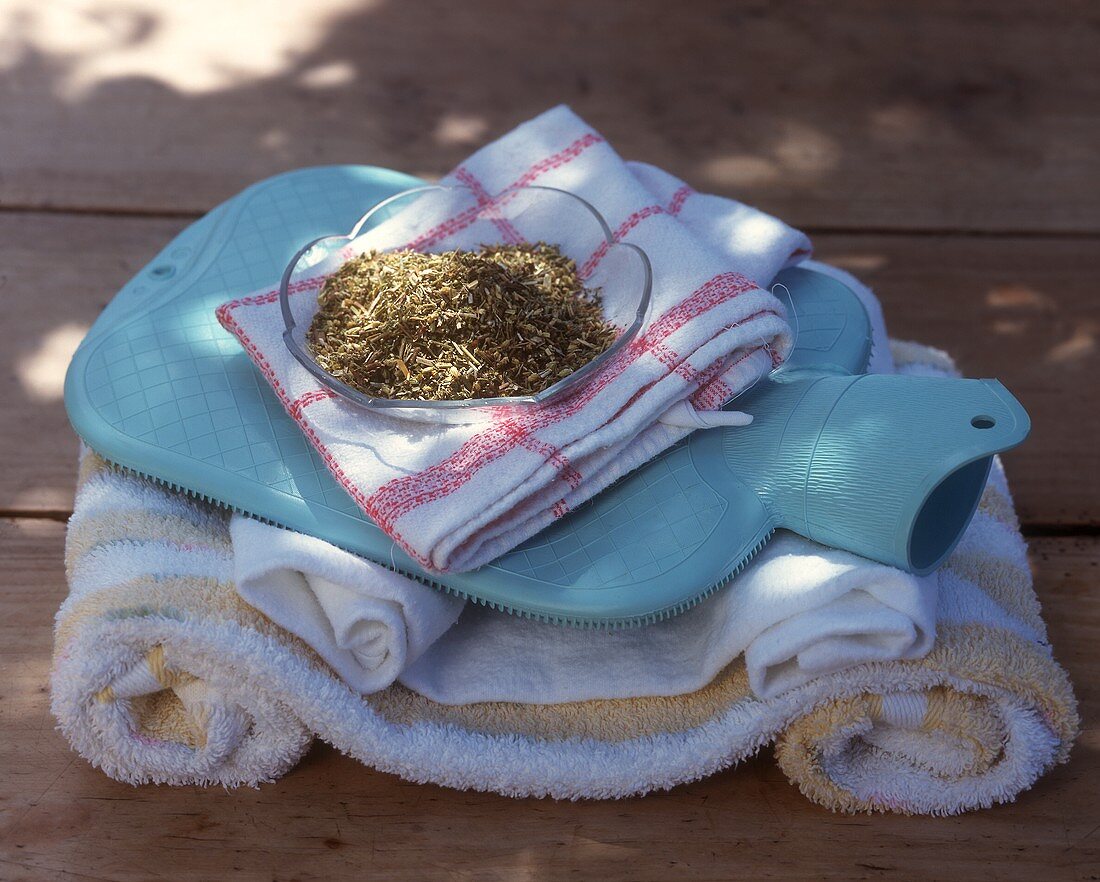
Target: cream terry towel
[[162, 673]]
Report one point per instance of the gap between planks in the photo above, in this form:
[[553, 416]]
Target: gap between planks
[[1029, 530], [107, 211]]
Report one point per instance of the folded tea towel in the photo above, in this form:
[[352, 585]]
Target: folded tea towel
[[367, 622], [162, 673], [457, 496], [800, 611]]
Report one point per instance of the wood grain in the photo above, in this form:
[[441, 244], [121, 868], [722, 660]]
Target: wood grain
[[1022, 310], [56, 274], [944, 152], [852, 114], [332, 818]]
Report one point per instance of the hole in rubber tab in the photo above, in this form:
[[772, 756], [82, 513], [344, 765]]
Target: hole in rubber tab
[[983, 422]]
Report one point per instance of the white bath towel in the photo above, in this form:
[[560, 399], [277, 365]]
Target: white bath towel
[[456, 497], [366, 621]]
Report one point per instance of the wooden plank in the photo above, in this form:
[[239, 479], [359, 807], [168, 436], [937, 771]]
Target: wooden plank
[[57, 273], [1019, 309], [853, 114], [332, 818]]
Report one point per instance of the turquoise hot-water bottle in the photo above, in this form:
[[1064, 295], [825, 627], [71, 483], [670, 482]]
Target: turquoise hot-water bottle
[[888, 467]]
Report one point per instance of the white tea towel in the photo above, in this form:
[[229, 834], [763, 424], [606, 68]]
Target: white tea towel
[[799, 611], [458, 496], [366, 621]]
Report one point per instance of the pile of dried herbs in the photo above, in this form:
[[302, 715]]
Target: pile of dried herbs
[[505, 320]]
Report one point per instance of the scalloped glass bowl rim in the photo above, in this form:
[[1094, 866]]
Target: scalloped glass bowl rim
[[301, 353]]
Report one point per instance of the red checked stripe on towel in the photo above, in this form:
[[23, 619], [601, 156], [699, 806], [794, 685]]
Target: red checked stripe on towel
[[463, 219], [678, 199], [484, 200], [400, 496], [229, 322]]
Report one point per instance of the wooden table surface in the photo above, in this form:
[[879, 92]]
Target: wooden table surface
[[948, 153]]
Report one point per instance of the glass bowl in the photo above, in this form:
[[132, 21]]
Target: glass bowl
[[437, 218]]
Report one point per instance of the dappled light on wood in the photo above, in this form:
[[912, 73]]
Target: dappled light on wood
[[42, 372], [1009, 327], [1078, 347], [461, 129], [739, 170], [190, 47], [332, 75], [899, 125], [1017, 296], [871, 116], [860, 263], [1021, 309]]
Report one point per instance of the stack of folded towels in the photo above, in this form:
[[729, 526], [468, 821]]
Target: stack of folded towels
[[199, 647]]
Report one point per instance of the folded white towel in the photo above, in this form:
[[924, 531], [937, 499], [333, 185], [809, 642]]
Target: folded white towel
[[799, 611], [367, 622], [458, 496]]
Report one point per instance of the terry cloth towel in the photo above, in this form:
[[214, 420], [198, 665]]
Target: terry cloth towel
[[162, 673], [465, 494], [799, 611], [366, 621]]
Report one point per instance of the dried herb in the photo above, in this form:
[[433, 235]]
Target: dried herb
[[502, 321]]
